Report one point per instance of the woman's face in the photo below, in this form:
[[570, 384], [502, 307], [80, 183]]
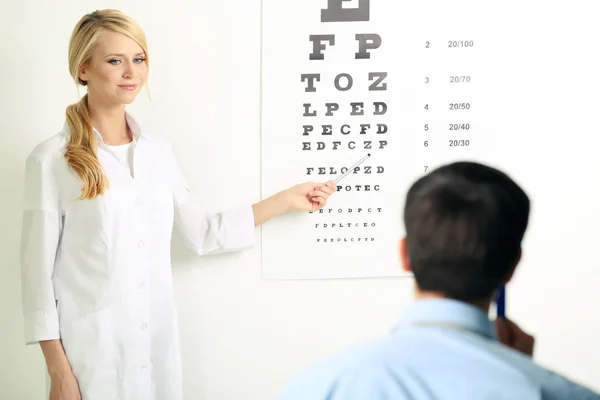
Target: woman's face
[[117, 71]]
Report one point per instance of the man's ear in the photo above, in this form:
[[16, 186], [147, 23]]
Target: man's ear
[[514, 267], [403, 253]]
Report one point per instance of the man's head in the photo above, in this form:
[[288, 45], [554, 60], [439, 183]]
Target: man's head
[[464, 226]]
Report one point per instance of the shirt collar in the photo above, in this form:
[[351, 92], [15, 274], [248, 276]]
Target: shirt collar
[[447, 312], [135, 127]]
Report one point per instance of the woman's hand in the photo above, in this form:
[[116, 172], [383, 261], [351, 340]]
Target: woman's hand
[[63, 384], [64, 387], [309, 196]]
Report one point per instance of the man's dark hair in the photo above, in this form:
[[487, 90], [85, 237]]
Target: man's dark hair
[[464, 225]]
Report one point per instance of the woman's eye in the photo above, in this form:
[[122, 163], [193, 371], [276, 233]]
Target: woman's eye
[[136, 60]]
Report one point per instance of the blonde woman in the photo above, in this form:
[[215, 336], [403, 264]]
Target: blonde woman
[[100, 200]]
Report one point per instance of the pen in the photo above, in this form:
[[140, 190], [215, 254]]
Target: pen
[[352, 168], [501, 303]]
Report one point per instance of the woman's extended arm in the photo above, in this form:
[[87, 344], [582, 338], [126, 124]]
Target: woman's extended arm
[[233, 230], [308, 196]]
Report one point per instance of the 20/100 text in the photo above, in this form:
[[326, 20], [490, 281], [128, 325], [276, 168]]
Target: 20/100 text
[[460, 43]]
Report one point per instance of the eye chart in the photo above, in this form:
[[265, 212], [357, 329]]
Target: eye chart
[[412, 85]]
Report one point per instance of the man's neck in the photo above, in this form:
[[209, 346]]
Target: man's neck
[[483, 304]]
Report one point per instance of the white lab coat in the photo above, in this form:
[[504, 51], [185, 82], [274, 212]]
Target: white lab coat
[[97, 273]]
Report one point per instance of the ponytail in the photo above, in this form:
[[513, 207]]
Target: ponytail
[[81, 150]]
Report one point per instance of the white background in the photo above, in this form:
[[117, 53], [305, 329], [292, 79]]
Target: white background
[[242, 336]]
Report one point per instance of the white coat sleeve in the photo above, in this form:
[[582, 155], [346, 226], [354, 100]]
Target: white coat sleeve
[[40, 233], [204, 232]]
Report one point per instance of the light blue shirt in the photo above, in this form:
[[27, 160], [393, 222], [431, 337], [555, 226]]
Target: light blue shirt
[[440, 350]]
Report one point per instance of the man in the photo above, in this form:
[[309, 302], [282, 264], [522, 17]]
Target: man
[[464, 227]]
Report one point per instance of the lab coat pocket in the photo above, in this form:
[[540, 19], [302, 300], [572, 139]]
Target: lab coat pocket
[[90, 348]]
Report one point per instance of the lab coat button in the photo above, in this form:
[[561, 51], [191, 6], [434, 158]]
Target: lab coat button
[[144, 367], [141, 244], [144, 326], [138, 201], [142, 284]]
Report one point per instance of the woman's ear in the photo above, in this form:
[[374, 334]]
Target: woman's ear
[[83, 74]]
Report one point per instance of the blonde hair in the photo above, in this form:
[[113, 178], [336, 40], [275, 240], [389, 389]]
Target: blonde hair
[[81, 152]]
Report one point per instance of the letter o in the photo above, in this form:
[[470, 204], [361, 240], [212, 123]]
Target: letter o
[[337, 82]]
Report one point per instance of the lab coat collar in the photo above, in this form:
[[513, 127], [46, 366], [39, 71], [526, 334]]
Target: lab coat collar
[[135, 127], [447, 313]]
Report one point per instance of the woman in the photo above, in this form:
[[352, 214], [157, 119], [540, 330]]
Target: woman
[[100, 200]]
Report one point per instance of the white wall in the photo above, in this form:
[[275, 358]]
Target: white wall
[[244, 336]]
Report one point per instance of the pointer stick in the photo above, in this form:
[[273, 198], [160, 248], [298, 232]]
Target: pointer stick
[[352, 168]]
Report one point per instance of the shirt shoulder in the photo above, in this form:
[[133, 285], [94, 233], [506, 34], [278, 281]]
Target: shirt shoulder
[[558, 387], [150, 135], [49, 149], [358, 372], [157, 143], [552, 385]]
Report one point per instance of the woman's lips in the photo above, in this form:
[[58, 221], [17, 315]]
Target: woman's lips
[[128, 87]]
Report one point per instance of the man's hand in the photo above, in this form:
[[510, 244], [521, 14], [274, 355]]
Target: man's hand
[[512, 336]]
